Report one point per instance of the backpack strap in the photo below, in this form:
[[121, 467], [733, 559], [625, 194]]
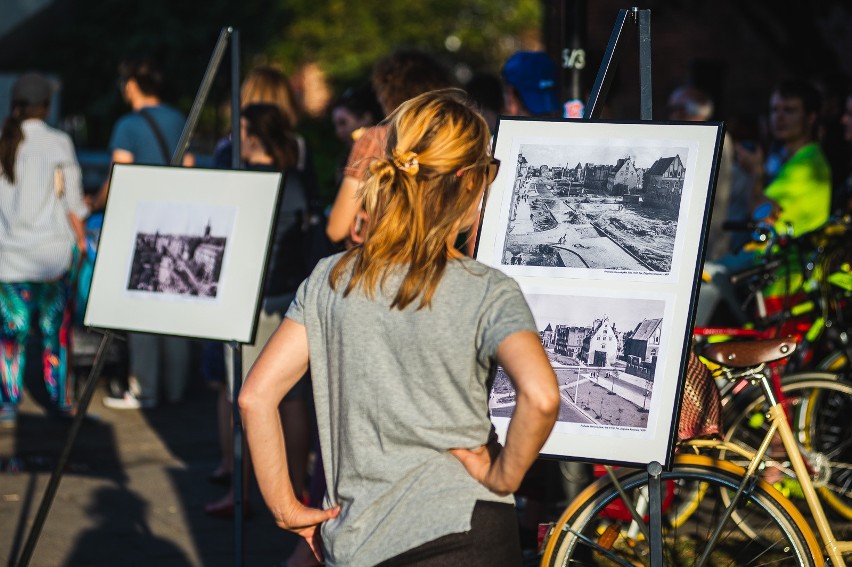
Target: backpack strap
[[161, 140]]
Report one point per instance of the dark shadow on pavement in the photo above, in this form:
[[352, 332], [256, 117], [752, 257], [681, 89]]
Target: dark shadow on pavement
[[125, 538]]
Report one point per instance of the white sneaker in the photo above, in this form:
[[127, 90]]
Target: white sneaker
[[128, 401]]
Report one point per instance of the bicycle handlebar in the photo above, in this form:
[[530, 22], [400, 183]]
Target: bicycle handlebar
[[739, 226], [762, 269]]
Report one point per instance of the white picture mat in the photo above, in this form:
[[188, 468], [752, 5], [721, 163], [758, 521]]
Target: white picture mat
[[595, 442], [253, 195], [701, 139], [586, 273]]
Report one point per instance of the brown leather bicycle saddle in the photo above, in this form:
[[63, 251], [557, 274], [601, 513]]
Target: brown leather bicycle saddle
[[742, 354]]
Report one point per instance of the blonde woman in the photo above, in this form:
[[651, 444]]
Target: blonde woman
[[402, 334], [266, 85]]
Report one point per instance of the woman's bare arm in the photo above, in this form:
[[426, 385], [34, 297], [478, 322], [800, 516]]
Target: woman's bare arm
[[537, 407], [283, 361], [78, 227], [346, 205]]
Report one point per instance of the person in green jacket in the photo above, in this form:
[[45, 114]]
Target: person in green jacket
[[794, 183], [796, 180]]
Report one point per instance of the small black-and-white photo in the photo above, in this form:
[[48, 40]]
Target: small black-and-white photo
[[179, 249], [595, 206], [604, 351]]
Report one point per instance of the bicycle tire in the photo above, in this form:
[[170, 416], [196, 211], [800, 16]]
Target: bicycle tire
[[836, 361], [819, 408], [792, 540]]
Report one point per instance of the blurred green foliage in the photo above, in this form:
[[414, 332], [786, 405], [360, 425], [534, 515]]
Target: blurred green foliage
[[343, 37]]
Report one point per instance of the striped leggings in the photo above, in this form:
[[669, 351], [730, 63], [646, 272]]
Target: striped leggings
[[23, 305]]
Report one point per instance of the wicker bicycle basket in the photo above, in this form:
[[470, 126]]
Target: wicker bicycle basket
[[701, 409]]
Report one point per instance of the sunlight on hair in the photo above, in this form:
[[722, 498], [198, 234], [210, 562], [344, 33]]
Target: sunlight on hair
[[415, 200]]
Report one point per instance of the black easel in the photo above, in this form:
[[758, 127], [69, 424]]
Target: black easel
[[641, 19], [74, 430], [225, 36]]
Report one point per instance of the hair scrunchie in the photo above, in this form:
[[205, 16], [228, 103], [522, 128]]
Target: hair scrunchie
[[406, 162]]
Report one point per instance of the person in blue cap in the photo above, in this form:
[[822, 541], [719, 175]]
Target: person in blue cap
[[530, 87]]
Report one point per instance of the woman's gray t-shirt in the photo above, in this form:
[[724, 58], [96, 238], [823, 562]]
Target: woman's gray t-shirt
[[394, 390]]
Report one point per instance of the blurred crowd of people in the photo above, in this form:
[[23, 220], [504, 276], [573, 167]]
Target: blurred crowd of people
[[42, 211]]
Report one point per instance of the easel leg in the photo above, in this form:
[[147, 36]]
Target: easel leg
[[56, 475], [238, 480], [655, 496]]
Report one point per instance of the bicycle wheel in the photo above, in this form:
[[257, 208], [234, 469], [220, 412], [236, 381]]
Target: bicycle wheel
[[819, 406], [586, 535], [837, 361]]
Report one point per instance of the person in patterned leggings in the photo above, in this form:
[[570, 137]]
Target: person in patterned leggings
[[41, 217]]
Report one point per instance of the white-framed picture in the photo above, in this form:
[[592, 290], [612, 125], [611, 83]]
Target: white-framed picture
[[603, 224], [183, 251]]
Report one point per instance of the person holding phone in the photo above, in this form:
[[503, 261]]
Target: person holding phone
[[403, 335]]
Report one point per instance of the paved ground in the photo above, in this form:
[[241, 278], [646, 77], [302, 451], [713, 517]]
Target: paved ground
[[132, 494], [133, 491]]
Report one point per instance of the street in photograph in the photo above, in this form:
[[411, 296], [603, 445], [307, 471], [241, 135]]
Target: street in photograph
[[184, 253], [604, 351], [595, 206]]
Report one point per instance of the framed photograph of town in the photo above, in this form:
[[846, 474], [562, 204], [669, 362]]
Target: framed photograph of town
[[603, 226], [183, 251]]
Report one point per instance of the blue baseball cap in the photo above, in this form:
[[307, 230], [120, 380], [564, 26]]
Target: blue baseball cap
[[533, 75]]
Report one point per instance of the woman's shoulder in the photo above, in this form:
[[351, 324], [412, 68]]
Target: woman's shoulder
[[43, 133], [325, 265], [480, 275]]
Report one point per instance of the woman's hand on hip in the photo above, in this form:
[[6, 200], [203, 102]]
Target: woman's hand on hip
[[482, 464], [305, 521]]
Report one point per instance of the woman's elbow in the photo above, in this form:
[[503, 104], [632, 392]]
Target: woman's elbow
[[249, 400], [549, 402], [545, 400], [334, 233]]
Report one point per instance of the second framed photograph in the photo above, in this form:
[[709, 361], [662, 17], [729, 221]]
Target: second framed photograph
[[603, 226], [183, 251]]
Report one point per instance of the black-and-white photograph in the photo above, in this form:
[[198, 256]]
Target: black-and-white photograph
[[179, 248], [596, 204], [604, 351], [602, 224], [183, 251]]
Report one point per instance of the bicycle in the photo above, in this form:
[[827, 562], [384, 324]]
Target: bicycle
[[716, 512], [816, 313], [812, 393]]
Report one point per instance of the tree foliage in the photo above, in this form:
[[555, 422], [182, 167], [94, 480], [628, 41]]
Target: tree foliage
[[345, 38]]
